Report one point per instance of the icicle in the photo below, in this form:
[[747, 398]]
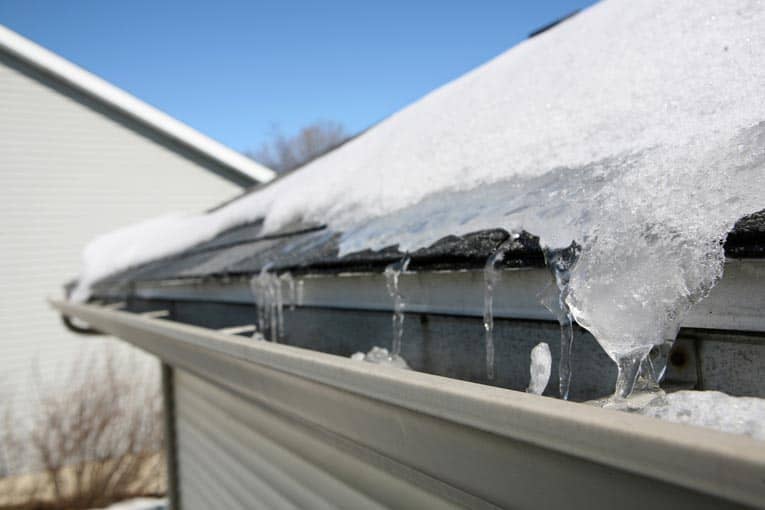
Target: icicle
[[658, 358], [267, 291], [491, 278], [628, 367], [540, 368], [258, 294], [653, 366], [560, 263], [279, 308], [300, 292], [287, 277], [392, 274]]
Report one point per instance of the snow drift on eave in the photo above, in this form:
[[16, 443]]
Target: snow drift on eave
[[634, 128]]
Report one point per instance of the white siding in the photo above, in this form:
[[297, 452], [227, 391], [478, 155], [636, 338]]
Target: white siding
[[67, 174]]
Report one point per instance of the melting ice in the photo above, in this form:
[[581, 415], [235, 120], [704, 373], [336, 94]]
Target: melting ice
[[651, 226], [635, 129]]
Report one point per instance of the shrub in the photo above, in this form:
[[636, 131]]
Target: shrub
[[96, 439]]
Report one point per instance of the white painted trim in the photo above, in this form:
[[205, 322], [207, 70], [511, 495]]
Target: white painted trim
[[735, 304], [80, 79]]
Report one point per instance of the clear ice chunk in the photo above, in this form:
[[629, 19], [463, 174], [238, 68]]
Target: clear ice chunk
[[539, 370]]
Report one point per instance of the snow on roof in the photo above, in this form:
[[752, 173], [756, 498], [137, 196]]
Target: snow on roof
[[165, 126], [636, 129]]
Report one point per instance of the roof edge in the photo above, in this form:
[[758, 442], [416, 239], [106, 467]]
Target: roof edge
[[78, 78]]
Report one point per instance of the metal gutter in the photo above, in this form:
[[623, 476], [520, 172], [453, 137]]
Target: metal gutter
[[735, 304], [492, 444], [77, 78]]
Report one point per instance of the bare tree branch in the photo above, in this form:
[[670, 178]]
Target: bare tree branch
[[285, 153]]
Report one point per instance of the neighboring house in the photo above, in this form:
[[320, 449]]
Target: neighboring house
[[78, 158]]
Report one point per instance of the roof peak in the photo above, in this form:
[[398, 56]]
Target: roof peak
[[235, 166]]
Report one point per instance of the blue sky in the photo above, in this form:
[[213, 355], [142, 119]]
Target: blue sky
[[236, 69]]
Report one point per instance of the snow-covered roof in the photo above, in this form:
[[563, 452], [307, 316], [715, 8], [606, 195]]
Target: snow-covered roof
[[227, 162], [621, 85]]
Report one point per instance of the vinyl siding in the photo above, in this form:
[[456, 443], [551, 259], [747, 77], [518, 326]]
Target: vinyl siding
[[69, 171], [251, 457]]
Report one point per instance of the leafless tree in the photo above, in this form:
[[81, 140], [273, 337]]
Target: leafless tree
[[285, 153], [96, 440]]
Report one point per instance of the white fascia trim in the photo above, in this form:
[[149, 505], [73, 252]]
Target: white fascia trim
[[78, 78]]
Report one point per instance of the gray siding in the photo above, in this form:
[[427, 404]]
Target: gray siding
[[67, 174]]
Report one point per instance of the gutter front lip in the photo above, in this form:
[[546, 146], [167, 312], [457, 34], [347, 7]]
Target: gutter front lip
[[704, 460]]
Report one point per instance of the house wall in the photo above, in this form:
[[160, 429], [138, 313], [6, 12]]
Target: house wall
[[70, 170]]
